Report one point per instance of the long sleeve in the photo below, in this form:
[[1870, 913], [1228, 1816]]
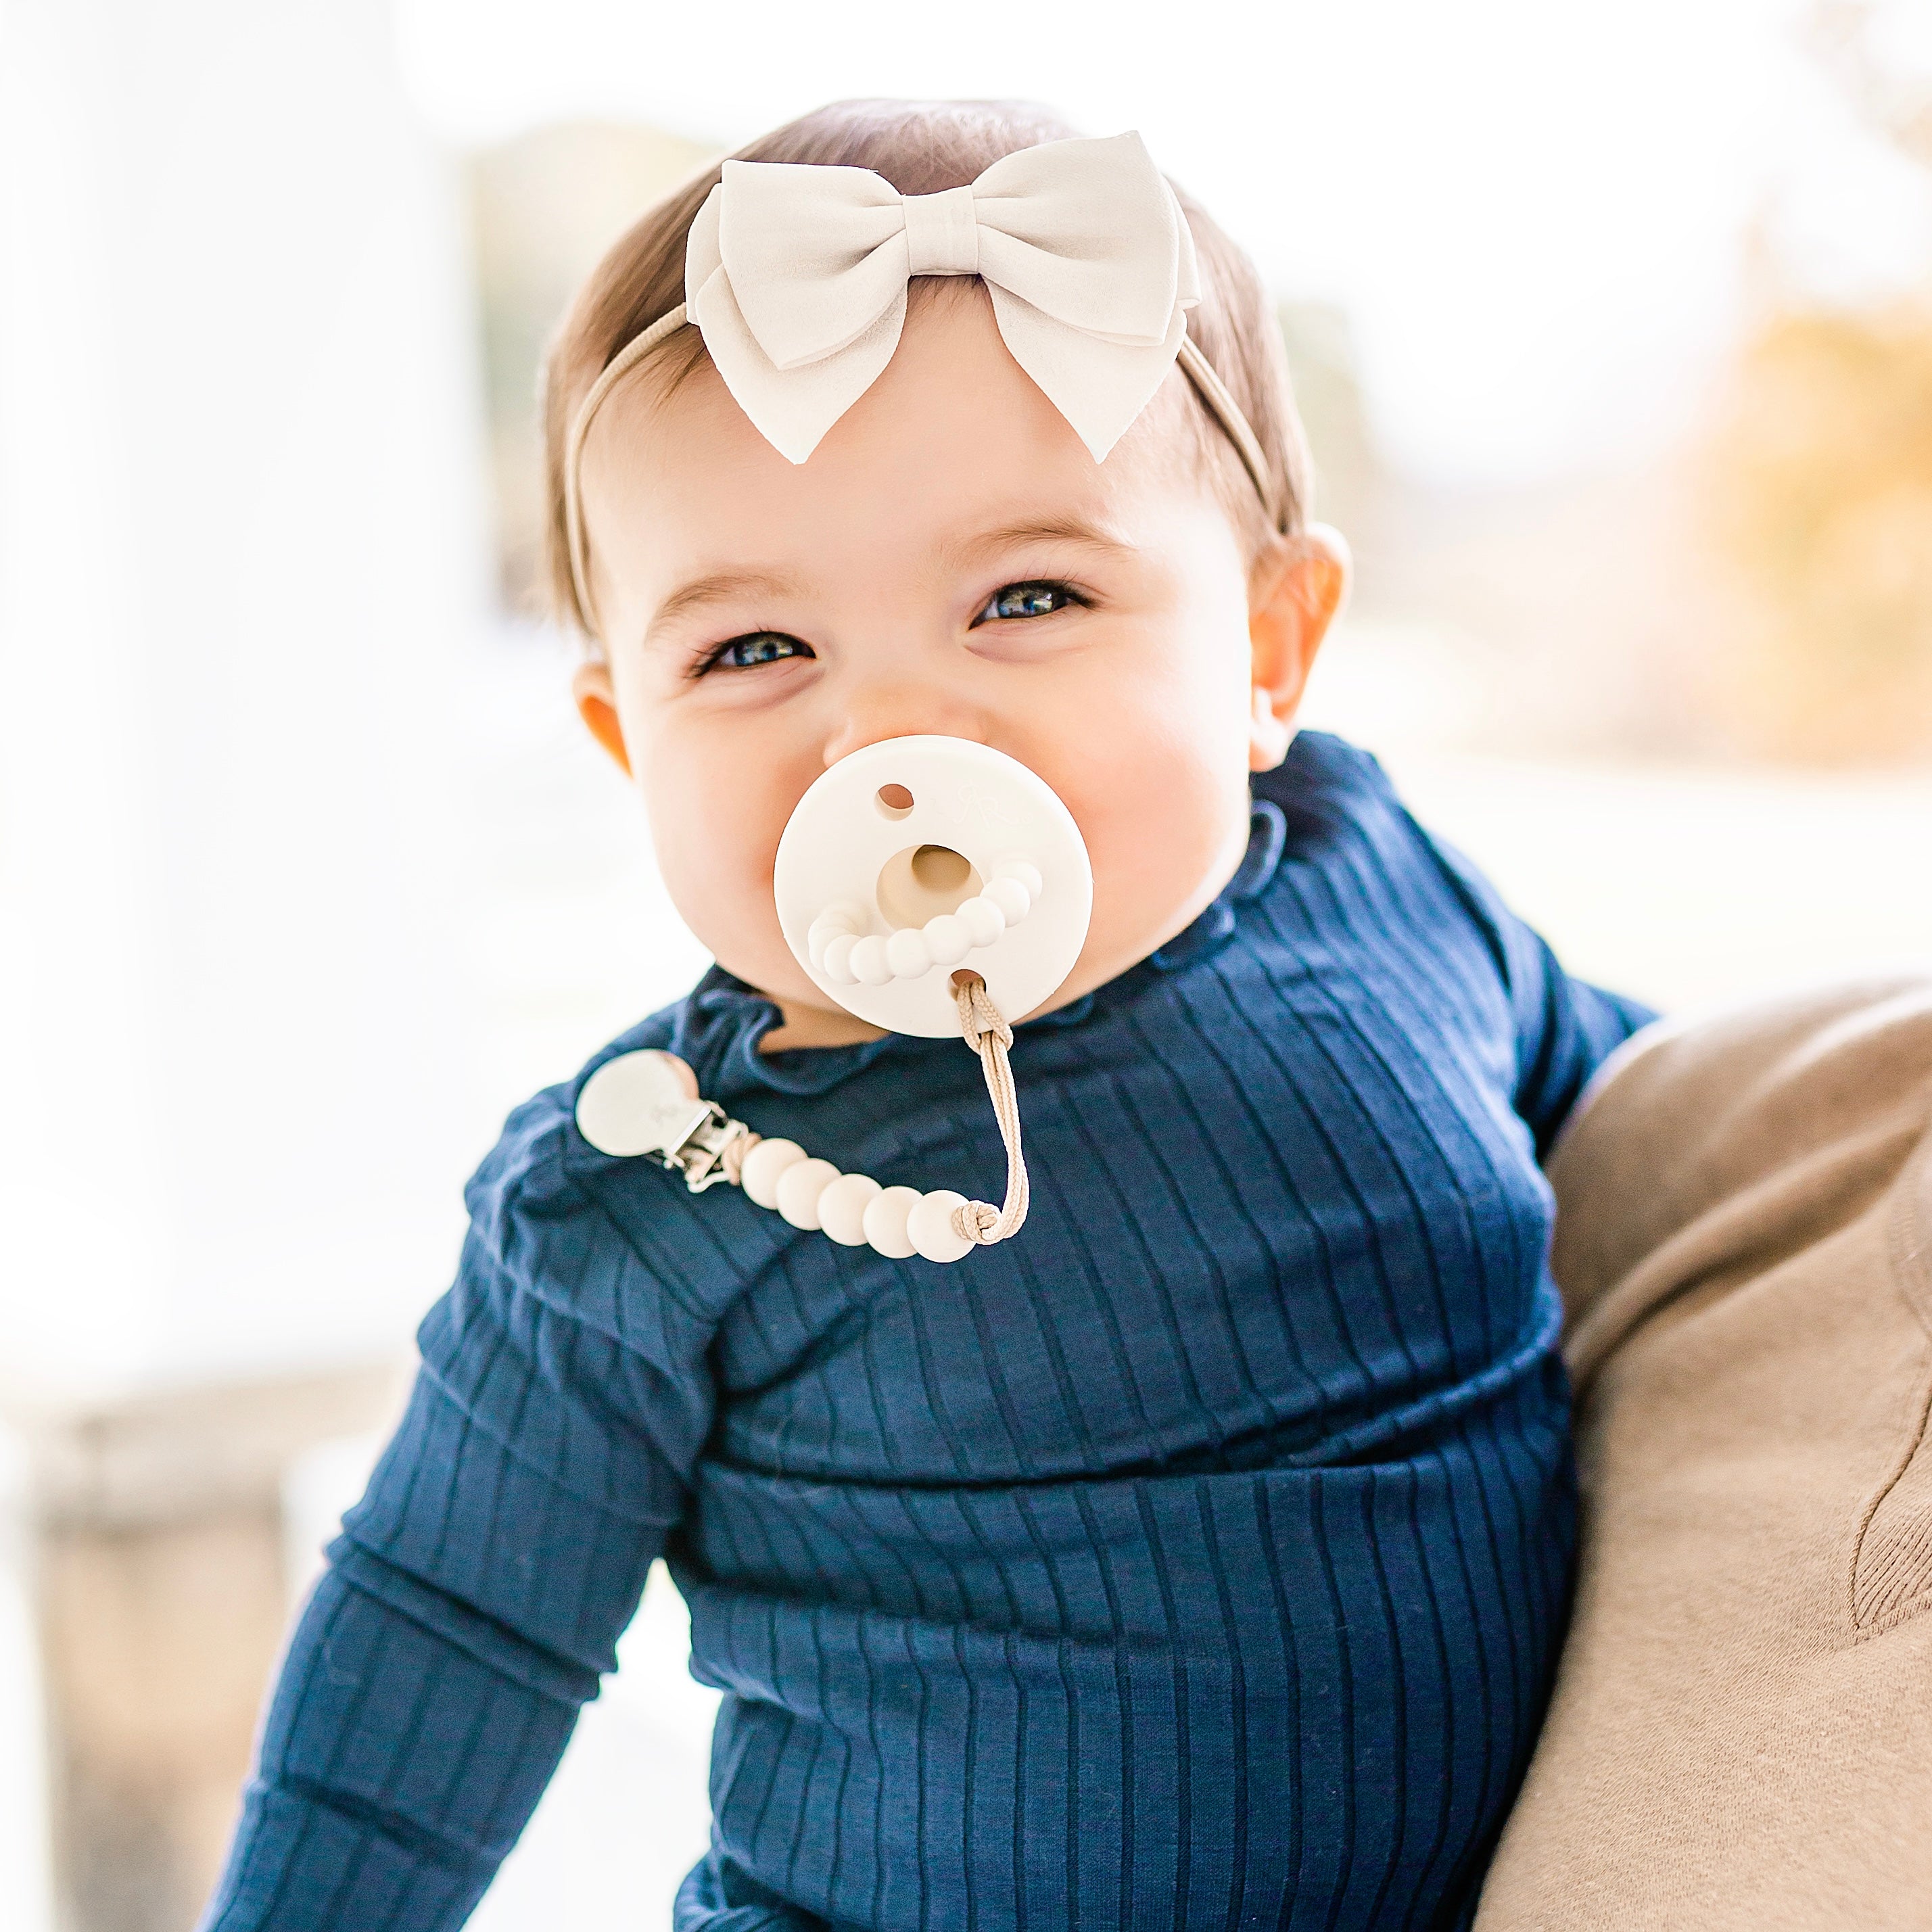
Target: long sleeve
[[476, 1594], [1565, 1027]]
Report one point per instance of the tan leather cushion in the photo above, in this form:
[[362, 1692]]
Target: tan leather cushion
[[1742, 1733]]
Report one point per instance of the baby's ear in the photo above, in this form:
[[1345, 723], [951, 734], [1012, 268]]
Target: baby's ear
[[597, 705], [1295, 590]]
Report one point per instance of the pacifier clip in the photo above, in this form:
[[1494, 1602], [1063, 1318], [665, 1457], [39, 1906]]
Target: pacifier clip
[[647, 1103], [900, 861]]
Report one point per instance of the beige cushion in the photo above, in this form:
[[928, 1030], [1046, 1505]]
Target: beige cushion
[[1741, 1733]]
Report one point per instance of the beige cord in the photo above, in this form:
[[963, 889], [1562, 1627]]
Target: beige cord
[[987, 1032], [732, 1160]]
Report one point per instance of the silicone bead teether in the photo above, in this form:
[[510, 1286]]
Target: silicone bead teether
[[799, 1186], [842, 1208], [929, 1226], [886, 1215], [765, 1166]]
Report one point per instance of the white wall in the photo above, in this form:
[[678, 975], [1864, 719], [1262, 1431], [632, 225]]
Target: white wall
[[240, 550]]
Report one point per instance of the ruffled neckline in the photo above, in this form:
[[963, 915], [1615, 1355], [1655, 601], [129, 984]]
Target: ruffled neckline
[[721, 1021]]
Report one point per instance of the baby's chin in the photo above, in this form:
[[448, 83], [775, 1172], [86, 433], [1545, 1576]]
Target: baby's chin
[[809, 1018]]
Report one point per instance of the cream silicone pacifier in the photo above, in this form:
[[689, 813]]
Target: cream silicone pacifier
[[915, 858], [930, 886]]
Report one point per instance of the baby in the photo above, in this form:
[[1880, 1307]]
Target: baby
[[1196, 1558]]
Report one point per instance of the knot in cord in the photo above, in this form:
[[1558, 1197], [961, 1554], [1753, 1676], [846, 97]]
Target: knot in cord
[[732, 1160], [978, 1016], [985, 1030]]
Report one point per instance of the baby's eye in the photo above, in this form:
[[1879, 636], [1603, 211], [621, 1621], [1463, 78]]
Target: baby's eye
[[758, 647], [1036, 599]]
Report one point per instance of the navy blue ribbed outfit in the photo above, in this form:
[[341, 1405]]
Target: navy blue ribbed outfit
[[1195, 1560]]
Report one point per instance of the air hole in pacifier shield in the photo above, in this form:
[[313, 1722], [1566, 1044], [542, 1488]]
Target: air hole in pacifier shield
[[894, 801], [923, 881]]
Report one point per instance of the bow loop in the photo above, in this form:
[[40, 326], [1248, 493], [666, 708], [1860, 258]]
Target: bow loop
[[813, 256], [1089, 233], [797, 277]]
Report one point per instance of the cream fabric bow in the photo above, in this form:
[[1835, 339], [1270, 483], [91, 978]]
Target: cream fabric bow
[[797, 277]]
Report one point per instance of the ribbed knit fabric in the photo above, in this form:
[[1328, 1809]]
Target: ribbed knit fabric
[[1195, 1560]]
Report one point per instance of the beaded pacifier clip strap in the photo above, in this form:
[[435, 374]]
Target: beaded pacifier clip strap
[[900, 861], [647, 1103]]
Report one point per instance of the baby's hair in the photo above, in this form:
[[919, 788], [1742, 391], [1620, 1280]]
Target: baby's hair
[[921, 147]]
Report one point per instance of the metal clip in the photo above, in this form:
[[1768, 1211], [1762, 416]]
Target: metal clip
[[700, 1156]]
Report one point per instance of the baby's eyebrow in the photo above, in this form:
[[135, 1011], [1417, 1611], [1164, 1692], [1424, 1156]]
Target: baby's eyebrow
[[1061, 528], [718, 588]]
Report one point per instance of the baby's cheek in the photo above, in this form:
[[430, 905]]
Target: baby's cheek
[[1172, 830], [715, 838], [1159, 814]]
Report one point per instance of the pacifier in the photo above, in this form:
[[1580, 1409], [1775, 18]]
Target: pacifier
[[915, 859], [930, 886]]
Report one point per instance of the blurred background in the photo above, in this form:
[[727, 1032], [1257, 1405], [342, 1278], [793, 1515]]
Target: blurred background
[[1613, 331]]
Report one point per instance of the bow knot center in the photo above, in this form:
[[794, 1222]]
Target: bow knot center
[[942, 233]]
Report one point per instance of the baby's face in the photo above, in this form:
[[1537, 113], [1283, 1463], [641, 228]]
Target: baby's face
[[950, 560]]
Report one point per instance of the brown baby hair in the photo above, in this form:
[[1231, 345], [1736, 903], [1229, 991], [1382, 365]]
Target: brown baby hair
[[922, 148]]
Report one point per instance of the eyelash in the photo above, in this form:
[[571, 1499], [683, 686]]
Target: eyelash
[[1030, 588], [794, 647], [1070, 599]]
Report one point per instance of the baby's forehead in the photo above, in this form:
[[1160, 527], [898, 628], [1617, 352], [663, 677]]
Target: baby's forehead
[[954, 440]]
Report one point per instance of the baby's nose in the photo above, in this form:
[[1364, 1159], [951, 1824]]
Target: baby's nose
[[907, 711]]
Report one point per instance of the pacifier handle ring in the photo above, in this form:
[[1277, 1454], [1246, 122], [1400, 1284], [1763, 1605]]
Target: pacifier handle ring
[[840, 947]]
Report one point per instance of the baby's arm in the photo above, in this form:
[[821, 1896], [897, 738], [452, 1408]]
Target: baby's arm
[[1565, 1027], [478, 1590]]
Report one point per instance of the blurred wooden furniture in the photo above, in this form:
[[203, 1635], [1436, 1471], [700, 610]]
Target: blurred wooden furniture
[[162, 1581]]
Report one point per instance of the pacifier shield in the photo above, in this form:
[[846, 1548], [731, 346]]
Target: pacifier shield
[[917, 857]]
